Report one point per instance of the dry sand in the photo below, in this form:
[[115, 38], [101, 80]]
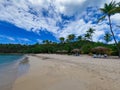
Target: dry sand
[[62, 72]]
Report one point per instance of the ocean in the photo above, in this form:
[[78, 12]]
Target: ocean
[[11, 68], [6, 58]]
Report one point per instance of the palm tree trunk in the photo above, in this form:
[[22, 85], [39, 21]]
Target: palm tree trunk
[[114, 36]]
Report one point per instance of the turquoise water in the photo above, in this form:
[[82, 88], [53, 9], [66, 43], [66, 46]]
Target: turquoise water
[[11, 68], [9, 58]]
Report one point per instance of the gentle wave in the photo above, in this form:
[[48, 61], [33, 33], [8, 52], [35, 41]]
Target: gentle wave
[[9, 72], [6, 58]]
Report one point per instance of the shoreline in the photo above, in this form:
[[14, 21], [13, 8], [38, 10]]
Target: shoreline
[[63, 72], [17, 61], [9, 72]]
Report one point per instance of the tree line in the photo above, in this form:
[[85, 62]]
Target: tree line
[[85, 42]]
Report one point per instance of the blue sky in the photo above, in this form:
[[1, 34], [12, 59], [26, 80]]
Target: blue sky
[[31, 21], [10, 33]]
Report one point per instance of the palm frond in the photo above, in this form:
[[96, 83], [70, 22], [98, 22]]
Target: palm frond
[[101, 18], [118, 4], [115, 10]]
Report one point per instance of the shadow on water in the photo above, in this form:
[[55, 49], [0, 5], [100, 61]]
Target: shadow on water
[[10, 72]]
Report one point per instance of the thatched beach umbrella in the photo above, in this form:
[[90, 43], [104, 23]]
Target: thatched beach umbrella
[[100, 50], [76, 51], [62, 52]]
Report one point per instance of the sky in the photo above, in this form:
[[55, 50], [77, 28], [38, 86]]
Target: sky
[[32, 21]]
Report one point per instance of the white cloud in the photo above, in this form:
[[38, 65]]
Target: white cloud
[[39, 40], [97, 35], [24, 39], [119, 35], [21, 17], [78, 27], [7, 37], [111, 42], [28, 14], [115, 19], [11, 38]]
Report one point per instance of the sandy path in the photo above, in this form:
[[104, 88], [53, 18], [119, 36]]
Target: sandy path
[[62, 72]]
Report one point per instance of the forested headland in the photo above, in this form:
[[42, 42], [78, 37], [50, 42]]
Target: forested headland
[[85, 47]]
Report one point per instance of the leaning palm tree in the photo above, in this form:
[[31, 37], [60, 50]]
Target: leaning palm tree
[[107, 10], [116, 9]]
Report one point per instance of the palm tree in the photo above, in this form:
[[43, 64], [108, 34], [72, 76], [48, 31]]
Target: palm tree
[[107, 37], [79, 38], [90, 33], [47, 42], [91, 30], [107, 10], [62, 39], [43, 41], [116, 9], [118, 4], [71, 37], [87, 36]]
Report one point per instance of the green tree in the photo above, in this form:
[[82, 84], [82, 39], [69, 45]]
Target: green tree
[[87, 36], [79, 38], [47, 42], [62, 39], [71, 37], [107, 37], [116, 9], [90, 32], [107, 10]]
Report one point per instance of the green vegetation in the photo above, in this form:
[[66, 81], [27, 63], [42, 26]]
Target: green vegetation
[[71, 37], [74, 43], [88, 35], [107, 37], [109, 10], [62, 39], [85, 47]]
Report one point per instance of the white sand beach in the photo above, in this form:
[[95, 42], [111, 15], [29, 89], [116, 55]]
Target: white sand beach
[[63, 72]]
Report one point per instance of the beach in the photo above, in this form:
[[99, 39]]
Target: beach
[[64, 72], [10, 69]]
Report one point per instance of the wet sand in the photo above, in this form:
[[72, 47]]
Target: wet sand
[[9, 72], [7, 76], [63, 72]]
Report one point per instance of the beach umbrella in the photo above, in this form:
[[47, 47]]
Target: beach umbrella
[[100, 50], [62, 51], [76, 50]]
